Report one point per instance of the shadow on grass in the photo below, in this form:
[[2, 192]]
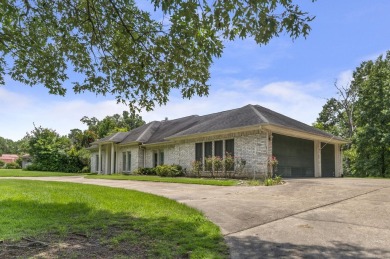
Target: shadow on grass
[[254, 247], [79, 231]]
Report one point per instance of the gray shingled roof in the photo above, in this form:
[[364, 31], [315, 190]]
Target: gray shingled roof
[[249, 115]]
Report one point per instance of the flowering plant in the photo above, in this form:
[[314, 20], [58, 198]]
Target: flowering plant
[[272, 161]]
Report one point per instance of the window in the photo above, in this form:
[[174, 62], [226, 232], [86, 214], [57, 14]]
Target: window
[[229, 146], [128, 161], [124, 163], [218, 148], [155, 159], [229, 150], [161, 158], [198, 151], [208, 149], [204, 150]]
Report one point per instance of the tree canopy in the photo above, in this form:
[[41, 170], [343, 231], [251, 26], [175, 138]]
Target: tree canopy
[[118, 48], [361, 113], [373, 116], [111, 124]]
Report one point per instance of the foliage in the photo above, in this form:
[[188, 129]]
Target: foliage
[[12, 165], [208, 165], [169, 170], [1, 163], [19, 161], [338, 117], [372, 138], [269, 181], [51, 152], [197, 168], [156, 226], [82, 139], [112, 124], [145, 171], [117, 48], [7, 146], [229, 164], [228, 167]]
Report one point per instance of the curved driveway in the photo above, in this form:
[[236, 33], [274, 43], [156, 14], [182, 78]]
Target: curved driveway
[[305, 218]]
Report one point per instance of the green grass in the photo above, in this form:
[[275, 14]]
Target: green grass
[[21, 173], [151, 178], [159, 227]]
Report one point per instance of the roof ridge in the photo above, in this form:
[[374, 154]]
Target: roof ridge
[[112, 136], [259, 114], [147, 129]]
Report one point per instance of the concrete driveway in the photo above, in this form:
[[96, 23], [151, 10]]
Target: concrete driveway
[[305, 218]]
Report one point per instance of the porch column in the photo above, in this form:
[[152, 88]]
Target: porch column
[[99, 169], [112, 158], [317, 158], [107, 160], [338, 159]]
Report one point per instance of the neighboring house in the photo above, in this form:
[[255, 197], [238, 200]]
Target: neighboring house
[[252, 132], [26, 161], [8, 158]]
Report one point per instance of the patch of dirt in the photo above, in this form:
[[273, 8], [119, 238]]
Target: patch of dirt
[[73, 245]]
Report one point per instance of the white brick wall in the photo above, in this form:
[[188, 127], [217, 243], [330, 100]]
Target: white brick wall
[[251, 146]]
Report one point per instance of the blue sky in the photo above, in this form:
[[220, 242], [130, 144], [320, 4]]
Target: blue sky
[[290, 77]]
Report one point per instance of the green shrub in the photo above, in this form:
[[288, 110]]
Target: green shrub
[[144, 171], [1, 164], [19, 161], [169, 170], [269, 181], [12, 165]]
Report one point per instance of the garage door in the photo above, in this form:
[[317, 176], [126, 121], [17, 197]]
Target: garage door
[[327, 160], [295, 156]]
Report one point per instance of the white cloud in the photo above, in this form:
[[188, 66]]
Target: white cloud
[[344, 78], [294, 99]]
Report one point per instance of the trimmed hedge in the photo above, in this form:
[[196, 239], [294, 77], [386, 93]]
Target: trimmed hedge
[[169, 170]]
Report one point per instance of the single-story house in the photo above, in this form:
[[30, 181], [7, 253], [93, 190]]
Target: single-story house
[[8, 158], [252, 132]]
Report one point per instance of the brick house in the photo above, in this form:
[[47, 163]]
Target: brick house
[[9, 158], [252, 132]]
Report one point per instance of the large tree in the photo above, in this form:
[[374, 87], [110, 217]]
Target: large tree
[[338, 117], [137, 56], [110, 124], [373, 117], [338, 113], [52, 152]]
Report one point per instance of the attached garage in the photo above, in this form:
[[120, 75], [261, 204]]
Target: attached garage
[[298, 157], [327, 160], [295, 156]]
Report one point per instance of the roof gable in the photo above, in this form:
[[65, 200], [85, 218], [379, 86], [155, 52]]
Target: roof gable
[[249, 115]]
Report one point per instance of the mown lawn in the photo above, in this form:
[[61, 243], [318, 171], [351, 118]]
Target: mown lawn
[[76, 221], [153, 178], [21, 173]]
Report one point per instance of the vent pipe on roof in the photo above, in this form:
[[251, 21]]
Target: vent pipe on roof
[[166, 118]]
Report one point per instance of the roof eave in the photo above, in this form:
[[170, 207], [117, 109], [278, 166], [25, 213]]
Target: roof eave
[[132, 143], [304, 134], [161, 143]]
